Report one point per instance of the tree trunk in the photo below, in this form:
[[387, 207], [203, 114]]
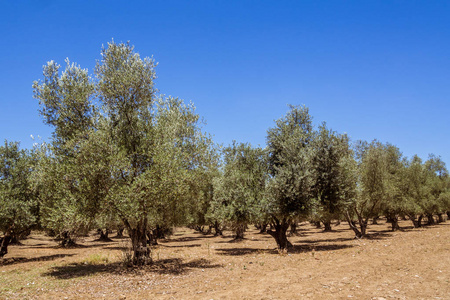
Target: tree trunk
[[141, 252], [327, 225], [394, 223], [120, 231], [363, 226], [430, 219], [4, 242], [199, 228], [441, 218], [413, 219], [217, 229], [151, 239], [239, 231], [280, 234], [338, 223], [14, 240], [375, 220], [104, 236], [419, 221], [448, 214], [210, 227], [66, 240], [353, 226], [263, 228], [317, 224], [293, 230]]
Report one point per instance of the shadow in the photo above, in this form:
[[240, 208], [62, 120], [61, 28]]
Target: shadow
[[187, 238], [327, 240], [293, 250], [310, 248], [176, 266], [120, 237], [336, 230], [380, 235], [182, 246], [75, 270], [20, 260], [242, 251], [121, 248], [173, 266], [76, 246], [99, 240]]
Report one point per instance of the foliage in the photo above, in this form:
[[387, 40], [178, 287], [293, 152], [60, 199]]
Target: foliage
[[240, 188], [18, 206], [119, 150], [290, 187], [329, 182]]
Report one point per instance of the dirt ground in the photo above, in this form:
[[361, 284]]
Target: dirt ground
[[410, 264]]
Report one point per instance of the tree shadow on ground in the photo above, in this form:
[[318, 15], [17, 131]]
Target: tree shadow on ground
[[186, 239], [317, 248], [379, 235], [20, 260], [232, 240], [327, 240], [75, 246], [294, 249], [181, 246], [174, 266]]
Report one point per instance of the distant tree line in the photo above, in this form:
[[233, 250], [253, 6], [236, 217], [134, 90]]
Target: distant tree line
[[124, 157]]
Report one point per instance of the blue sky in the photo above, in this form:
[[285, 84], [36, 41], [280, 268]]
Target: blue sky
[[372, 69]]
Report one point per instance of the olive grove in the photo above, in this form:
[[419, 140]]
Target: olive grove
[[123, 156]]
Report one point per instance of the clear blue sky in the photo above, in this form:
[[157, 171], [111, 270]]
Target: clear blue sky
[[373, 69]]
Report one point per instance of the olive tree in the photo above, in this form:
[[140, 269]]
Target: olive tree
[[372, 180], [18, 204], [120, 148], [394, 201], [66, 178], [289, 192], [329, 187], [240, 188]]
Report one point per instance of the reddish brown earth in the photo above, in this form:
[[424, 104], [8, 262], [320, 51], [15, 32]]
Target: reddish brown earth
[[410, 264]]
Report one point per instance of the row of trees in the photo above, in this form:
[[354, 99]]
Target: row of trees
[[123, 156], [317, 175]]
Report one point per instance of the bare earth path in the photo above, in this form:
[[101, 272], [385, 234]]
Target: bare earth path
[[413, 264]]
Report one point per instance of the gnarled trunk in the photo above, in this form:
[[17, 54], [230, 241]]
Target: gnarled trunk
[[141, 251], [413, 219], [239, 231], [4, 242], [217, 229], [151, 239], [104, 235], [263, 228], [430, 219], [394, 223], [327, 225], [359, 233], [375, 220], [210, 227], [293, 230], [199, 228], [441, 218], [280, 234], [66, 240], [419, 221], [120, 231]]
